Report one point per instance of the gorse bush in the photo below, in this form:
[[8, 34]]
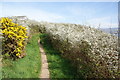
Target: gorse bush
[[14, 38]]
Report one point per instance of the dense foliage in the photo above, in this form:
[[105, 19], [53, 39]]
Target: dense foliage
[[89, 49], [59, 67], [14, 38]]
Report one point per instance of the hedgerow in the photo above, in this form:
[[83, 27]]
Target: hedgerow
[[14, 40], [90, 50]]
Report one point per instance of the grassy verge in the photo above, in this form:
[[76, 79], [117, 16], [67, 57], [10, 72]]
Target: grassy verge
[[28, 67], [58, 66]]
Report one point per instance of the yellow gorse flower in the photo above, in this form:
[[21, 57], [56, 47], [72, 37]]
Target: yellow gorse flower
[[13, 32], [18, 54]]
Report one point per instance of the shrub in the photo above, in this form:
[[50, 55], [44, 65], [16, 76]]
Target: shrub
[[14, 38], [86, 48]]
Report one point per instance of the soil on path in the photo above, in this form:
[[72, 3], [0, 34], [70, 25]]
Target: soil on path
[[44, 67]]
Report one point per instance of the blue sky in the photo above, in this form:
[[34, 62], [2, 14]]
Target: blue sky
[[92, 14]]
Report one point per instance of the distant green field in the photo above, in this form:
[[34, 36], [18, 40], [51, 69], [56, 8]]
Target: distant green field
[[27, 67]]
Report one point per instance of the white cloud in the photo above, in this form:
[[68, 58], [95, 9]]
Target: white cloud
[[41, 15], [104, 22], [80, 11], [35, 14]]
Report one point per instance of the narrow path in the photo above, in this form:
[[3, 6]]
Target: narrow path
[[44, 67]]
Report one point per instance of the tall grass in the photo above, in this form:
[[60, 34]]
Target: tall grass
[[59, 67]]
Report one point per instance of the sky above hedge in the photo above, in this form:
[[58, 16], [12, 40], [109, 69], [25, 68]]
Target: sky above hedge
[[103, 14]]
